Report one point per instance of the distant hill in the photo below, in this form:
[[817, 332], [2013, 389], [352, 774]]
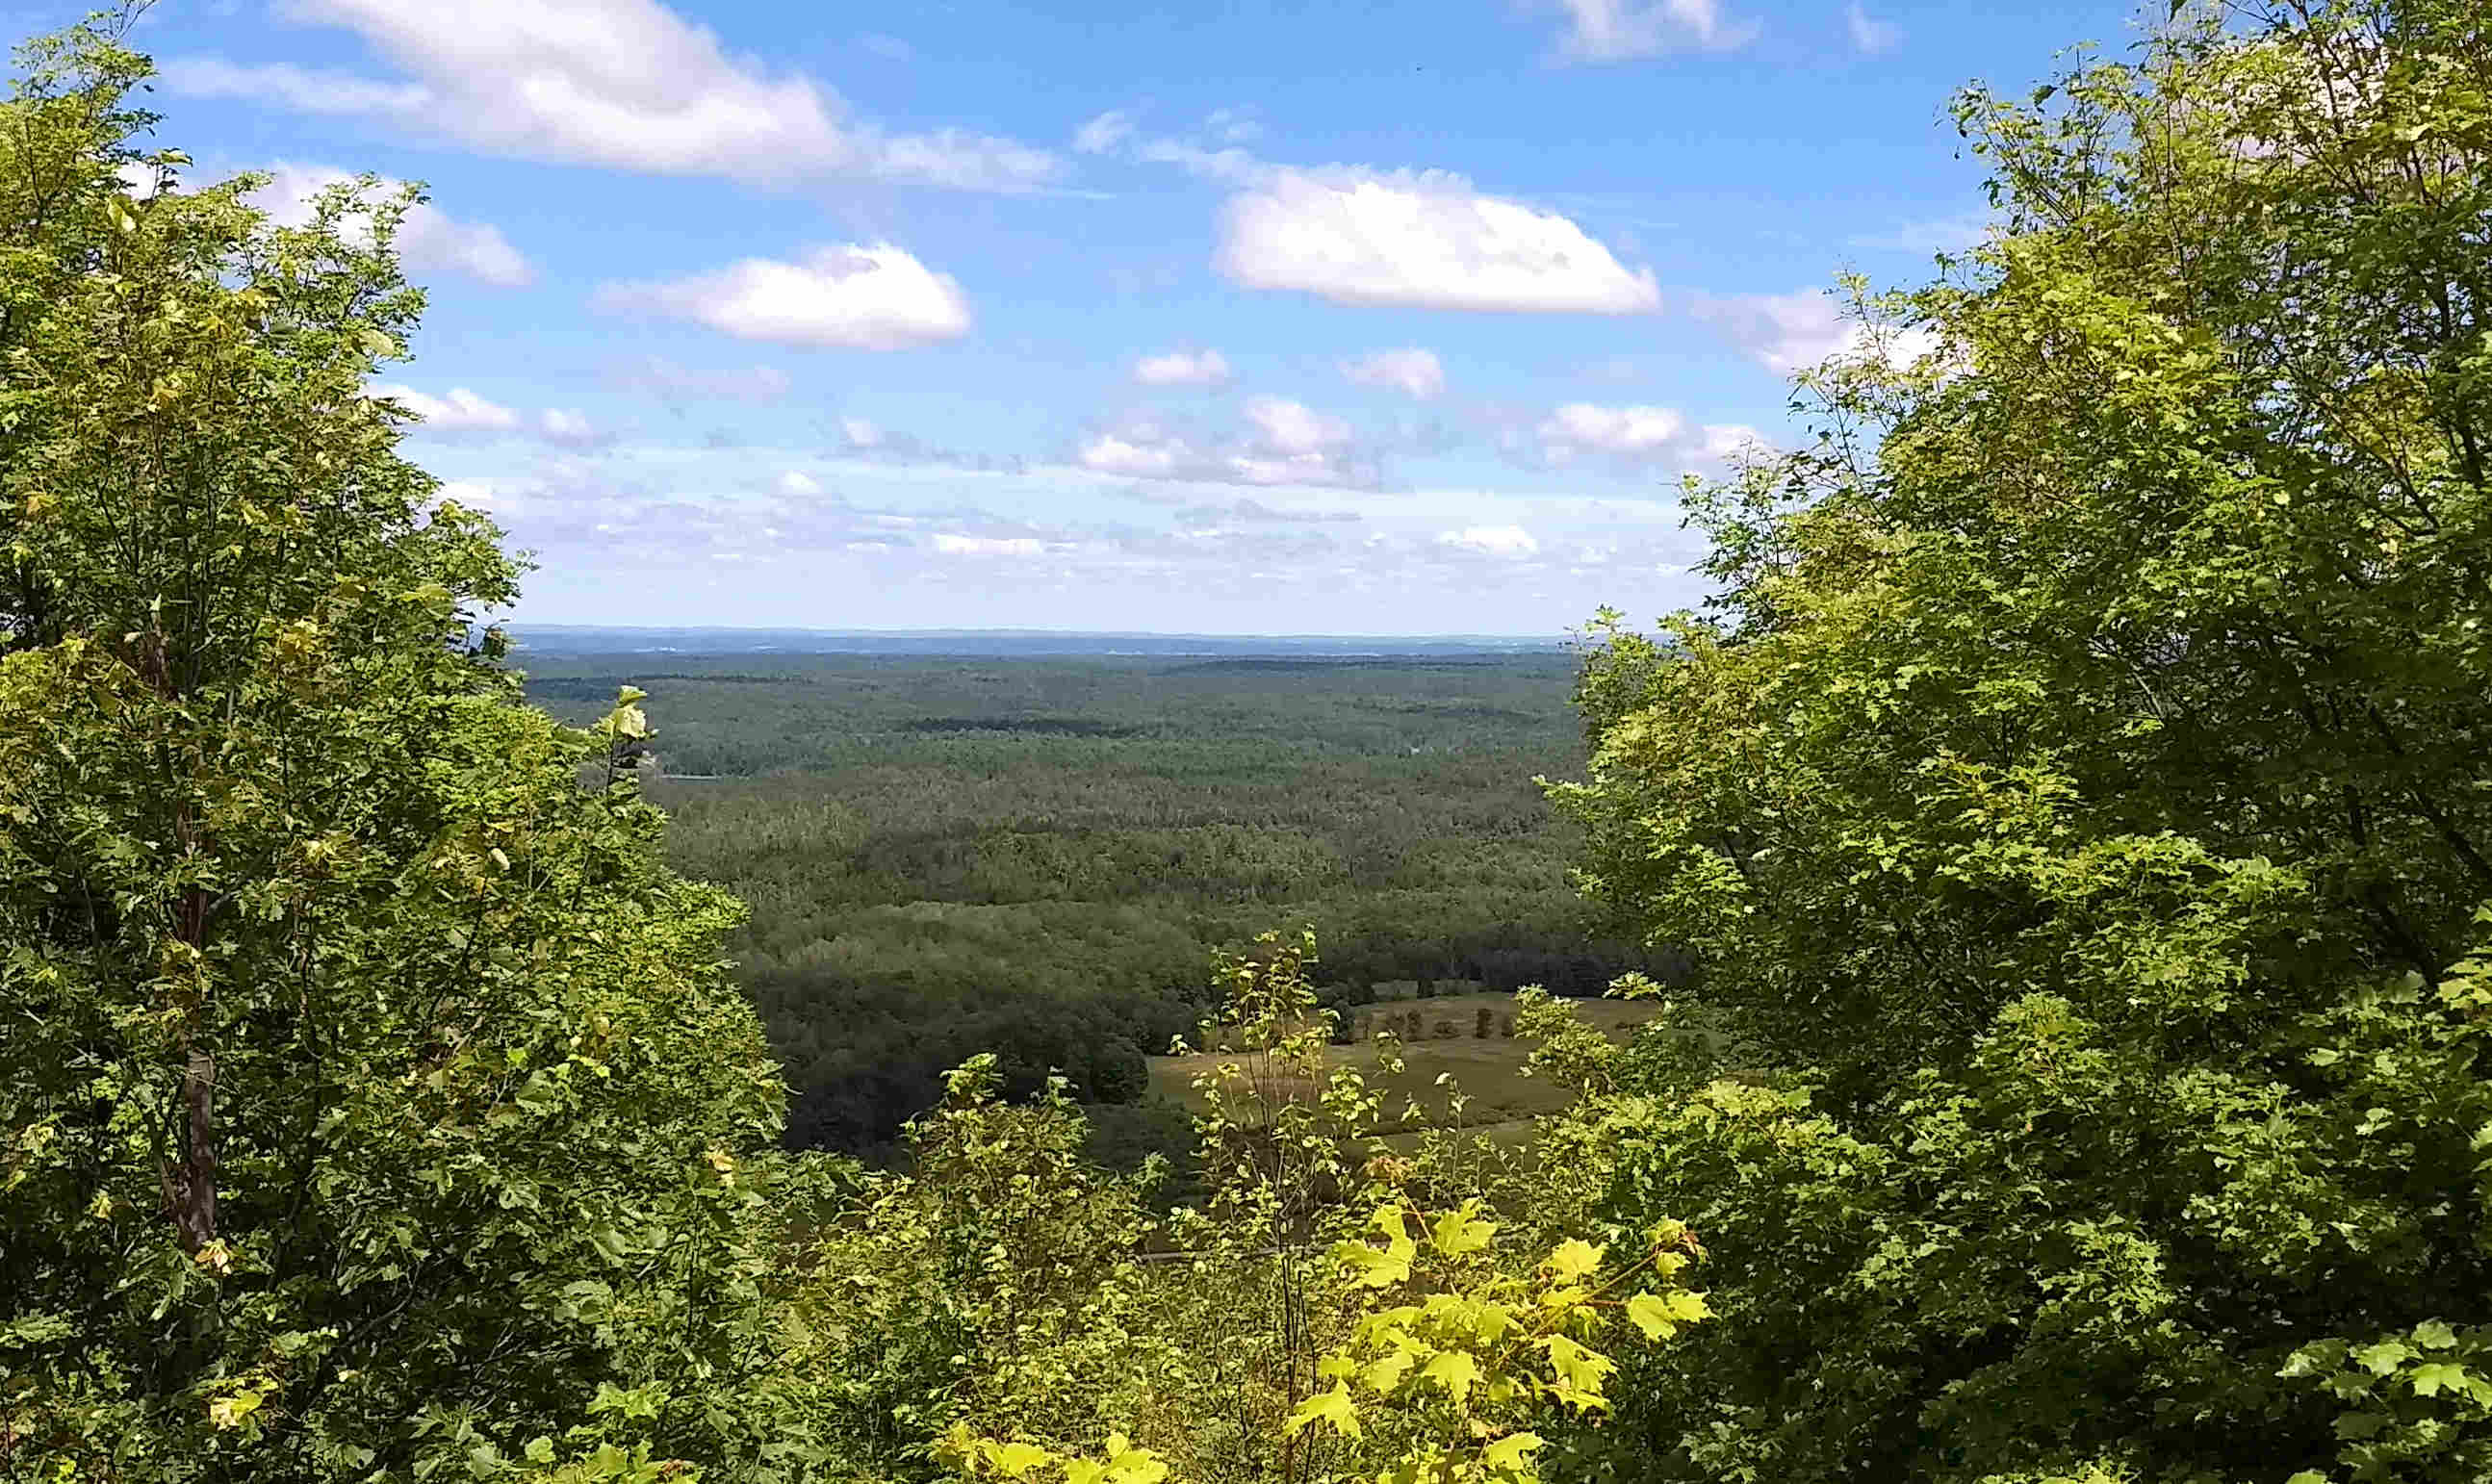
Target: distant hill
[[569, 639]]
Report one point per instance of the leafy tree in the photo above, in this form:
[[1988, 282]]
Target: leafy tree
[[2076, 801], [372, 1101], [1119, 1072]]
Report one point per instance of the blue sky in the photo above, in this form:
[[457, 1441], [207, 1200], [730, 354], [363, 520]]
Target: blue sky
[[1387, 317]]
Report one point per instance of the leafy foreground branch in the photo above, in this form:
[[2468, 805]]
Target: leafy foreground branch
[[1331, 1310]]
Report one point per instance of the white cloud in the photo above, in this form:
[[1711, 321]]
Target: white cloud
[[1285, 443], [1634, 436], [1787, 333], [1510, 542], [1183, 368], [1233, 125], [856, 298], [461, 413], [1870, 34], [1423, 240], [663, 377], [429, 239], [1104, 133], [870, 442], [797, 484], [1624, 30], [626, 84], [988, 545], [1136, 457], [1413, 371], [1292, 427], [562, 425], [300, 89]]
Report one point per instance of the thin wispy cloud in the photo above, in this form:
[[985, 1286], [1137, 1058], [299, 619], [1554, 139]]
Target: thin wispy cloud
[[625, 84]]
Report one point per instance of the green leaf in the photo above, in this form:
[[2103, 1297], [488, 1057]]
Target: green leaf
[[1511, 1451], [1386, 1370], [1015, 1459], [2385, 1356], [1458, 1233], [1651, 1316], [1334, 1406], [1578, 1370], [1574, 1259], [1377, 1267], [1455, 1371]]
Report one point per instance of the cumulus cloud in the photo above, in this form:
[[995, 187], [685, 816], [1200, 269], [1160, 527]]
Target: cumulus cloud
[[626, 84], [461, 413], [1183, 368], [1419, 239], [1633, 437], [1104, 133], [1294, 428], [1869, 34], [1627, 31], [1791, 332], [1511, 542], [854, 298], [429, 239], [1285, 442], [1411, 371], [661, 378]]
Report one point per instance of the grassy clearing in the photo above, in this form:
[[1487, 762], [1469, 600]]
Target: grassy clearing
[[1490, 1071]]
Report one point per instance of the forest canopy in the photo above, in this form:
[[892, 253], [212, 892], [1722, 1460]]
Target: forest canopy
[[1035, 857]]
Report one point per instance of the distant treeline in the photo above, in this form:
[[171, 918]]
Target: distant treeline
[[1037, 857]]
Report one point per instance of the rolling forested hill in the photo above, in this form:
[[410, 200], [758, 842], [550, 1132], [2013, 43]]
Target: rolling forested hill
[[1036, 854]]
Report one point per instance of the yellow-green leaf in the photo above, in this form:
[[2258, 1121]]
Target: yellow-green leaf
[[1578, 1368], [1371, 1267], [1015, 1459], [1387, 1372], [1651, 1316], [1574, 1259], [1455, 1371], [1334, 1406], [1511, 1451], [1461, 1233]]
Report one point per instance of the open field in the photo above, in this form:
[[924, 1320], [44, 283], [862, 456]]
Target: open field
[[1489, 1072]]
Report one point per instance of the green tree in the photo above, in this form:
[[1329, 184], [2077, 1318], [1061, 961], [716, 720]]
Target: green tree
[[2076, 802], [371, 1099]]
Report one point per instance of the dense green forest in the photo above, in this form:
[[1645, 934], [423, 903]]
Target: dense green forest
[[1035, 857], [2072, 805]]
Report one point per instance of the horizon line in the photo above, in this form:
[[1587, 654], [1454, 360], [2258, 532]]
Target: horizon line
[[587, 628]]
